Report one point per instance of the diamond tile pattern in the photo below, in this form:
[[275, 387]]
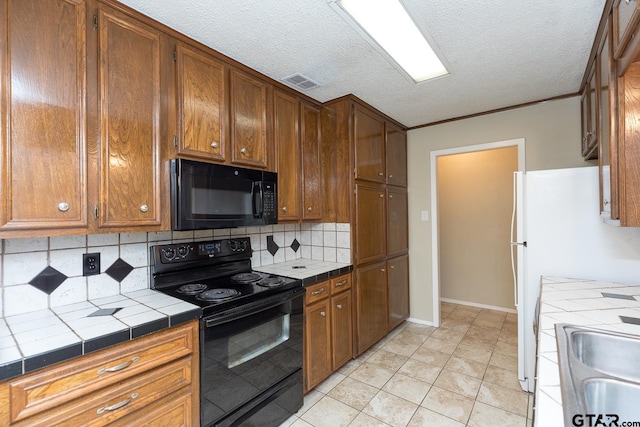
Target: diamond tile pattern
[[48, 280], [295, 245], [119, 270], [272, 246]]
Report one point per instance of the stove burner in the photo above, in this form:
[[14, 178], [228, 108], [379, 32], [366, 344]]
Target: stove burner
[[271, 282], [246, 277], [192, 288], [218, 295]]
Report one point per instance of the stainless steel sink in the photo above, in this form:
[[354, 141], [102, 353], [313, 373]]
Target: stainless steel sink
[[599, 372], [607, 396], [613, 354]]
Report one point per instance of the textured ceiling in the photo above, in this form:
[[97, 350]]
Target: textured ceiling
[[500, 53]]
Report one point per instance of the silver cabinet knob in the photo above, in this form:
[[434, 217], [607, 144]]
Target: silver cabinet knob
[[323, 314], [339, 306], [392, 267], [382, 270], [63, 207], [391, 196], [381, 195], [380, 173], [284, 209], [144, 208], [390, 175], [309, 208], [214, 144], [243, 150]]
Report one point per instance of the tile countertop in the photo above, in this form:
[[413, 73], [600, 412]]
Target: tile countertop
[[579, 302], [309, 271], [41, 338]]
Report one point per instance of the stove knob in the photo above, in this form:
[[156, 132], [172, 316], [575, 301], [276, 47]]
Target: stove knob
[[169, 253], [233, 245], [183, 251]]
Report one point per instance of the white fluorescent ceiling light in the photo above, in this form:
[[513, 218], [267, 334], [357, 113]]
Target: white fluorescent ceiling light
[[393, 32]]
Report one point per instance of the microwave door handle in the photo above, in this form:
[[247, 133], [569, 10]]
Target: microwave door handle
[[257, 200]]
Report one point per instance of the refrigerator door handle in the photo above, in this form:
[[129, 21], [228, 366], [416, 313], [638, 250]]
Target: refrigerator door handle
[[513, 242]]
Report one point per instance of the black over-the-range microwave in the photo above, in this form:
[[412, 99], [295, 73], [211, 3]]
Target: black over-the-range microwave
[[208, 195]]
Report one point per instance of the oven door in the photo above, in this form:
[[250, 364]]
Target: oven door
[[251, 361]]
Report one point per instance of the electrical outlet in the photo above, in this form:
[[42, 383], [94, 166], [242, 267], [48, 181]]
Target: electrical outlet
[[90, 264]]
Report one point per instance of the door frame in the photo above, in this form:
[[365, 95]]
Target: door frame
[[435, 243]]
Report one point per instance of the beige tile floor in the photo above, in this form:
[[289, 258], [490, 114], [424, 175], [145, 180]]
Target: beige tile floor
[[463, 373]]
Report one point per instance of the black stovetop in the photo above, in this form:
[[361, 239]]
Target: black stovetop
[[214, 264]]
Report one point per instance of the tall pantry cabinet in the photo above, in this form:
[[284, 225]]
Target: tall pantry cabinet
[[366, 179]]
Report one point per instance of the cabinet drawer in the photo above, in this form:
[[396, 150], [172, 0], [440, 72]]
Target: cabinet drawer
[[113, 403], [317, 292], [340, 283], [173, 410], [55, 386]]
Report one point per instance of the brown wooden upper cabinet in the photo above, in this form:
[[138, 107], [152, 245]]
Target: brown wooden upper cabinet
[[202, 114], [250, 115], [626, 16], [129, 81], [396, 143], [369, 145], [397, 221], [286, 113], [44, 137], [312, 183]]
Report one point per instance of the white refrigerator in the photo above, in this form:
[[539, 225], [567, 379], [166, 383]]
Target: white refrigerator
[[558, 216]]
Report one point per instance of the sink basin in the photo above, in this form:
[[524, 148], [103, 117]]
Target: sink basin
[[599, 372], [607, 396], [613, 354]]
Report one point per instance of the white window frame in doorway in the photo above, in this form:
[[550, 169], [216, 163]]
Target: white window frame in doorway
[[435, 259]]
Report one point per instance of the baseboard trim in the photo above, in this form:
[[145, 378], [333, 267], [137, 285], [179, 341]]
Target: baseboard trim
[[473, 304], [420, 321]]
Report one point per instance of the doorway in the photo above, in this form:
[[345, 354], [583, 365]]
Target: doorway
[[472, 194]]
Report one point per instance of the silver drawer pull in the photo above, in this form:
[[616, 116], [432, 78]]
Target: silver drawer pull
[[63, 207], [117, 405], [243, 150], [118, 367], [214, 144], [144, 208], [341, 283], [318, 292], [309, 208]]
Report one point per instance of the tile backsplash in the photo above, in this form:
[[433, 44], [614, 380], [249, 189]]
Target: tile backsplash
[[57, 261]]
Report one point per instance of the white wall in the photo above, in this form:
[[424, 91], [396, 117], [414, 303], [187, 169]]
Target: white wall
[[552, 140]]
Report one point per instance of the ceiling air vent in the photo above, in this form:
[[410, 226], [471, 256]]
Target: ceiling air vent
[[300, 81]]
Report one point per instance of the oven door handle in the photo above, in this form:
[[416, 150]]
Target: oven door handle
[[252, 308]]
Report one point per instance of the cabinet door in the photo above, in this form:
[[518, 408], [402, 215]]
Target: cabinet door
[[317, 355], [396, 155], [370, 223], [44, 145], [398, 290], [341, 329], [369, 145], [371, 305], [249, 128], [286, 113], [311, 168], [397, 221], [629, 148], [201, 104], [626, 15], [130, 113]]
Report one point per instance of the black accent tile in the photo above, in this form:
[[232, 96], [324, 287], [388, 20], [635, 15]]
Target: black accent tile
[[119, 270], [150, 327], [10, 370], [618, 296], [295, 245], [49, 358], [309, 280], [322, 276], [48, 280], [177, 319], [272, 246], [631, 320], [105, 341]]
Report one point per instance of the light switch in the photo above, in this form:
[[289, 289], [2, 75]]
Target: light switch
[[424, 215]]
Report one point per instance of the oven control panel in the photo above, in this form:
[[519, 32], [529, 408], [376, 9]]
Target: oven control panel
[[196, 251]]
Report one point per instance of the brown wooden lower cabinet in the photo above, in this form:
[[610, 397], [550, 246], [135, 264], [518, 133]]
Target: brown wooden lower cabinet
[[371, 305], [398, 289], [151, 380], [328, 331]]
